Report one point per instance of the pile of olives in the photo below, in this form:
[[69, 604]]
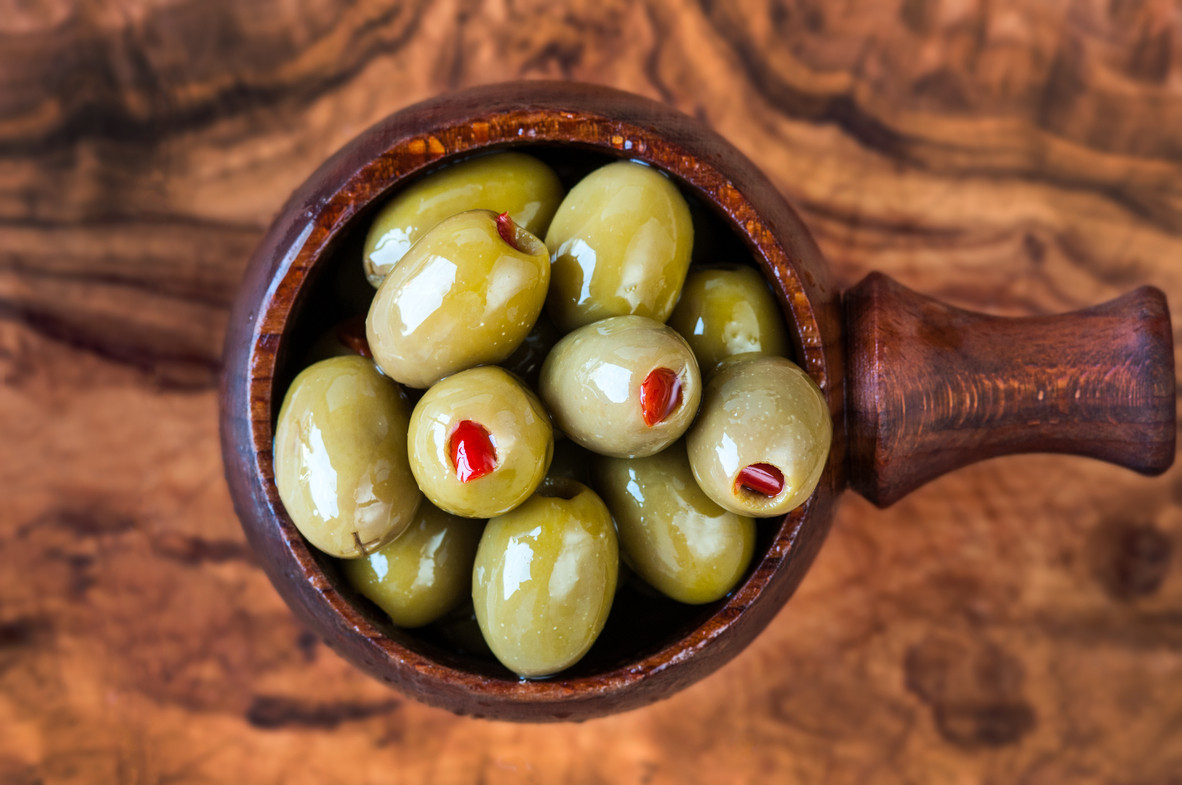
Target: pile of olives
[[529, 423]]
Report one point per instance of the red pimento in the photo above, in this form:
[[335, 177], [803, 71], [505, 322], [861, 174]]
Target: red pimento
[[761, 478], [660, 394], [352, 334], [472, 451], [508, 230]]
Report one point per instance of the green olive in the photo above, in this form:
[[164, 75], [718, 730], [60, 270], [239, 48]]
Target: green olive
[[626, 386], [572, 462], [512, 183], [671, 534], [480, 443], [462, 296], [729, 311], [425, 572], [620, 244], [544, 580], [341, 458], [761, 440]]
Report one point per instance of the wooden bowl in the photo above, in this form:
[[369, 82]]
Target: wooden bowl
[[916, 388]]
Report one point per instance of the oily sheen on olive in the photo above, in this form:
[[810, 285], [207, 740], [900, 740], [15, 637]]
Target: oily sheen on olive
[[762, 436], [620, 244], [728, 311], [511, 182], [465, 294], [425, 572], [626, 386], [340, 452], [545, 578], [480, 442], [671, 533]]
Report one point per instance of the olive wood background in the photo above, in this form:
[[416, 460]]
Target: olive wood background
[[1017, 621]]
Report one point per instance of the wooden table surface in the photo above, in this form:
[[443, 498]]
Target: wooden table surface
[[1019, 621]]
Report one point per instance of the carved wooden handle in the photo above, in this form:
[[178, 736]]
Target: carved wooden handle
[[932, 388]]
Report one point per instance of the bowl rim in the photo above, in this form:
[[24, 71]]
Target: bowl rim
[[515, 116]]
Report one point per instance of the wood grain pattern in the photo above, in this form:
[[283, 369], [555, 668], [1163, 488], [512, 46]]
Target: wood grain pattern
[[1015, 621], [932, 388]]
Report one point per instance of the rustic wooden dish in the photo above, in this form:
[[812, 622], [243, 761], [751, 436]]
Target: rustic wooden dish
[[916, 388]]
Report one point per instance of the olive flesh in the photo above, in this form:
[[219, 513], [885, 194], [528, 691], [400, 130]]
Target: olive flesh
[[762, 437], [514, 183], [572, 462], [544, 580], [626, 386], [423, 573], [480, 443], [462, 296], [620, 244], [671, 533], [340, 455], [723, 312]]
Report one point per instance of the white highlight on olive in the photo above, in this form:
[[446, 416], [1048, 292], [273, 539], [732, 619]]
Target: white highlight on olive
[[379, 563], [424, 292], [392, 246], [518, 556], [426, 574], [508, 278], [728, 455], [320, 476], [634, 488], [576, 550], [614, 381]]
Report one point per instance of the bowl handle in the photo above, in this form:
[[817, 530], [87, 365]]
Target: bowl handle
[[931, 388]]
